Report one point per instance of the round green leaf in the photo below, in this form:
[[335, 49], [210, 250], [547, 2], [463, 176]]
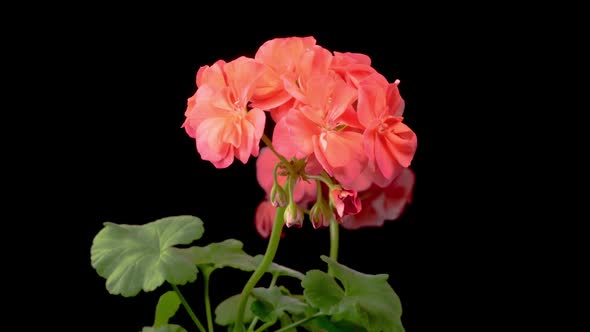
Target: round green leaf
[[367, 300], [136, 257], [321, 291]]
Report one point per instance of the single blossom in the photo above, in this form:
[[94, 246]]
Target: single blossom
[[280, 56], [218, 116], [352, 67], [389, 144], [382, 204], [319, 128], [345, 202]]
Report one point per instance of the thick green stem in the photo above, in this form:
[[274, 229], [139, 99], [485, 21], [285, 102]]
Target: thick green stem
[[206, 275], [271, 250], [334, 238], [303, 321], [188, 309]]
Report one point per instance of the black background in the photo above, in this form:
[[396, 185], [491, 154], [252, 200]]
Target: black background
[[119, 154]]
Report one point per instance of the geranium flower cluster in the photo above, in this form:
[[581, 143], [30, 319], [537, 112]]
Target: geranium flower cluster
[[338, 130]]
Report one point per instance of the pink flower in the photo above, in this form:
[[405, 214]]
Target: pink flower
[[345, 202], [389, 144], [352, 67], [280, 56], [318, 128], [303, 193], [381, 204], [218, 116]]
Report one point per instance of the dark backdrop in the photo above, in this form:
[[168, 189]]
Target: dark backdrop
[[126, 158]]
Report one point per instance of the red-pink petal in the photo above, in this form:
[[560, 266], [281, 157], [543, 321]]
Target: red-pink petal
[[212, 75], [301, 131], [264, 218], [395, 101]]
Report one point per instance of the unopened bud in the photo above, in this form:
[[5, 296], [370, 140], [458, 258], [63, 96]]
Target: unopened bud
[[278, 196], [293, 215], [320, 215]]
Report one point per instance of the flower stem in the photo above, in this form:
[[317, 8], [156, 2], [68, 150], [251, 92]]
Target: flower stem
[[282, 158], [334, 238], [206, 275], [271, 250], [303, 321], [188, 309]]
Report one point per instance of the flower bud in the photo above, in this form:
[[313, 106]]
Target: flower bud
[[293, 215], [320, 215], [345, 201], [278, 196]]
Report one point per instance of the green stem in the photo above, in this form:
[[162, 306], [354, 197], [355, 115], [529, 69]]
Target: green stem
[[303, 321], [323, 178], [334, 238], [284, 160], [273, 282], [265, 326], [269, 255], [253, 324], [206, 275], [188, 309]]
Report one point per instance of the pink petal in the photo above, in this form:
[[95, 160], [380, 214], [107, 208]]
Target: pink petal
[[343, 147], [404, 143], [394, 100], [279, 98], [342, 97], [244, 150], [212, 76], [292, 83], [278, 113], [369, 137], [384, 158], [264, 218], [282, 139], [210, 148], [350, 118], [372, 99], [242, 75], [301, 131]]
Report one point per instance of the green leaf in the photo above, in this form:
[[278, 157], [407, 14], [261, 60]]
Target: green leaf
[[321, 291], [227, 311], [136, 257], [367, 300], [168, 305], [165, 328], [281, 270], [271, 304], [221, 254]]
